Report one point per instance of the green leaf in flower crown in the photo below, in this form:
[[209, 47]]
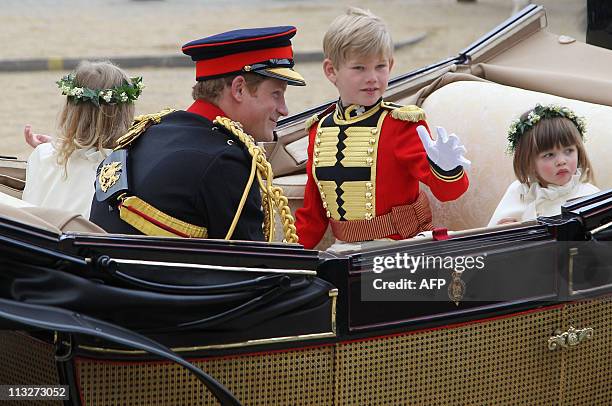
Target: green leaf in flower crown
[[544, 112], [129, 90], [90, 95]]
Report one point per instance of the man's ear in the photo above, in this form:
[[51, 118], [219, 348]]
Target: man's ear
[[329, 70], [238, 88], [390, 64]]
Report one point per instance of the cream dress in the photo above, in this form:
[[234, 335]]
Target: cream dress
[[48, 186], [527, 202]]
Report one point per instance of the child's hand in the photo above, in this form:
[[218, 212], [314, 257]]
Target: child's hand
[[446, 151], [33, 139]]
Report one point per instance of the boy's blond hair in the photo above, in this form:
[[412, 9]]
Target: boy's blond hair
[[85, 125], [357, 33]]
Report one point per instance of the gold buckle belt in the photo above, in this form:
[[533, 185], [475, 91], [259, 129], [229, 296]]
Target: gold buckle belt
[[407, 220]]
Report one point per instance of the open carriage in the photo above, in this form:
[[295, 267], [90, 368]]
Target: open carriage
[[280, 325]]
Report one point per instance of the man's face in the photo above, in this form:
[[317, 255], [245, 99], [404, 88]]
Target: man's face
[[360, 79], [263, 108]]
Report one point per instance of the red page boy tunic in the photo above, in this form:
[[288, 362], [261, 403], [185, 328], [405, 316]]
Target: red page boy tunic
[[364, 169]]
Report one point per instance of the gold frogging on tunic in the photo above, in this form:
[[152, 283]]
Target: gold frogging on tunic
[[360, 151]]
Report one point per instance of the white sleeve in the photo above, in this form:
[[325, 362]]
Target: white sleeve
[[510, 206], [34, 178]]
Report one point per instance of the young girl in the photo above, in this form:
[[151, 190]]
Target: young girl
[[550, 163], [98, 110]]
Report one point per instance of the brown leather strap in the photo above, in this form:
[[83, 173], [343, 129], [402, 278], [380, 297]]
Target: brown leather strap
[[407, 221]]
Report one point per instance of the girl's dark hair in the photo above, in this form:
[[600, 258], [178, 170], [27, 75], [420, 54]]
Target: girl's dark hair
[[548, 133]]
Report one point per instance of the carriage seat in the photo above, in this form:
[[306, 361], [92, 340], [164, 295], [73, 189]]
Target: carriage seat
[[56, 221]]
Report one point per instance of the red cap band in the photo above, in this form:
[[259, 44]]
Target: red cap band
[[235, 62]]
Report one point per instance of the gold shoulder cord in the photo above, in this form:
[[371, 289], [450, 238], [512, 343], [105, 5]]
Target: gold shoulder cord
[[139, 125], [271, 195]]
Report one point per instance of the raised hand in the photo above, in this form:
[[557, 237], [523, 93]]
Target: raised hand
[[34, 139], [446, 151]]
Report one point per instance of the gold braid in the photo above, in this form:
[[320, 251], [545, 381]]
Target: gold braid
[[140, 124], [272, 196]]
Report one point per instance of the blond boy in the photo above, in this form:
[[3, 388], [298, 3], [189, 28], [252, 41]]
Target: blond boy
[[366, 157]]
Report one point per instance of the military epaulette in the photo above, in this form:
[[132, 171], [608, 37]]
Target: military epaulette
[[139, 126], [405, 113], [316, 117]]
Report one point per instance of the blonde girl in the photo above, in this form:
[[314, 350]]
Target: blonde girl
[[99, 108]]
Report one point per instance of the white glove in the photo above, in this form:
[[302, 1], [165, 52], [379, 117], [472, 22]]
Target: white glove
[[446, 151]]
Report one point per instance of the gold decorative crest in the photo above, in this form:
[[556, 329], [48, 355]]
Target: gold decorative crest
[[109, 175], [456, 289]]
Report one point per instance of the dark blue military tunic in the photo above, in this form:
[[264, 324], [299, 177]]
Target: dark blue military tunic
[[192, 170]]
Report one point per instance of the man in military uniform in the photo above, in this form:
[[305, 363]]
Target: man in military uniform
[[193, 173]]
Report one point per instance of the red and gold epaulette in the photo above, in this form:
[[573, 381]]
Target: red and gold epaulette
[[405, 113]]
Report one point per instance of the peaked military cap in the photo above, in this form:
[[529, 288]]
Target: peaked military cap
[[266, 51]]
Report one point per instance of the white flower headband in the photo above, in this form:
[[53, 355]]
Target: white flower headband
[[519, 127], [126, 93]]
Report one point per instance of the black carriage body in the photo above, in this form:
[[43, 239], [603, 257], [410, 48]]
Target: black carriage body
[[335, 348], [599, 23]]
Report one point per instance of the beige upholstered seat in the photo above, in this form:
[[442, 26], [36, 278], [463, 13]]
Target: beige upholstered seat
[[53, 220], [293, 186]]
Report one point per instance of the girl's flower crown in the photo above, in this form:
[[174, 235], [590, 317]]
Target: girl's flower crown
[[519, 127], [126, 93]]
